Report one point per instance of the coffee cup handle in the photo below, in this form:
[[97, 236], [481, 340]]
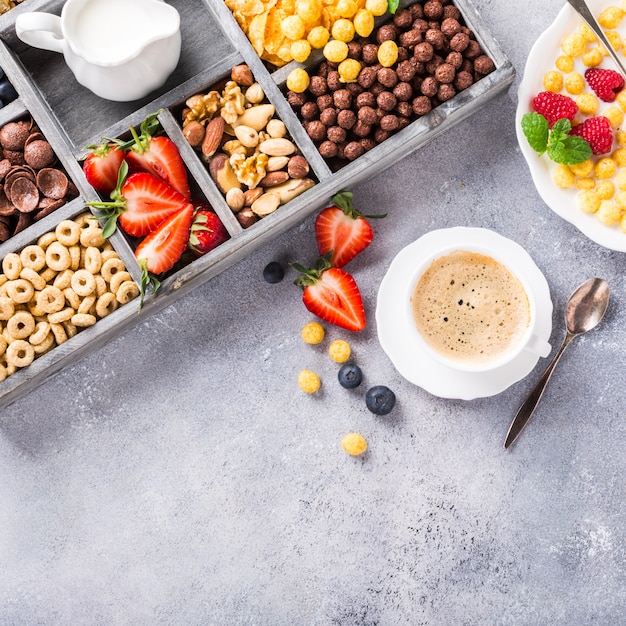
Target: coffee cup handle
[[40, 30], [538, 346]]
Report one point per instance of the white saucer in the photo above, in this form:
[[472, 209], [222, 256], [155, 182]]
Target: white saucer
[[407, 356]]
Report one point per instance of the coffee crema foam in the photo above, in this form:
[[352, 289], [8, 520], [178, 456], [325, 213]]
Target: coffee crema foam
[[469, 307]]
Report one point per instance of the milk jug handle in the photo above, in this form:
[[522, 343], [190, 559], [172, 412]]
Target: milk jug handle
[[40, 30]]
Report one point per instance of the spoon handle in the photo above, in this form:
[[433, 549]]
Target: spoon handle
[[529, 405]]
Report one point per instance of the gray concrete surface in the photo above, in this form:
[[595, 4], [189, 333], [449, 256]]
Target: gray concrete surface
[[179, 476]]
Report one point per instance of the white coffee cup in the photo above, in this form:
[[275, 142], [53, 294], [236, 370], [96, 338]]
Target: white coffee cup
[[529, 340], [121, 50]]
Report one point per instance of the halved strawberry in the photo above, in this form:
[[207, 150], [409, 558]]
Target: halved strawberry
[[102, 165], [140, 202], [332, 294], [342, 230], [158, 156]]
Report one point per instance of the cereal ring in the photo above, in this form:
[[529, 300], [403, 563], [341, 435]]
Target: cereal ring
[[63, 315], [50, 299], [3, 279], [41, 331], [12, 265], [33, 257], [83, 319], [45, 240], [109, 254], [67, 232], [86, 304], [92, 236], [58, 332], [63, 279], [7, 308], [106, 304], [20, 290], [3, 373], [92, 261], [3, 290], [3, 345], [58, 256], [85, 220], [45, 345], [127, 291], [35, 310], [107, 246], [117, 279], [21, 325], [33, 278], [101, 285], [20, 353], [70, 329], [110, 267], [48, 274], [75, 256], [73, 299], [83, 283]]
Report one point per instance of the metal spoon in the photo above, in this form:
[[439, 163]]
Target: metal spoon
[[583, 10], [583, 311]]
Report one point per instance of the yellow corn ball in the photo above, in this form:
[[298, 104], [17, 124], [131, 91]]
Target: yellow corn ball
[[354, 444], [620, 179], [563, 177], [575, 83], [584, 168], [339, 351], [298, 80], [318, 37], [349, 70], [587, 33], [611, 17], [293, 27], [585, 183], [309, 11], [615, 116], [336, 51], [313, 333], [300, 50], [588, 201], [620, 200], [605, 168], [605, 189], [620, 137], [588, 103], [309, 381], [592, 58], [573, 45], [363, 23], [342, 30], [609, 213], [622, 224], [347, 8], [620, 99], [614, 39], [553, 81], [565, 64], [387, 53], [376, 7]]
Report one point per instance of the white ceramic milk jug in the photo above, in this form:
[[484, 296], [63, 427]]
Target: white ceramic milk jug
[[119, 49]]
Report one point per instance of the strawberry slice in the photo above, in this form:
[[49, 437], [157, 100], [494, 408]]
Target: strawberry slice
[[332, 294], [158, 156], [140, 202], [342, 230], [102, 165]]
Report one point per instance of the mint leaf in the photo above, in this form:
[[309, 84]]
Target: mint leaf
[[569, 151], [560, 130], [536, 130], [392, 5]]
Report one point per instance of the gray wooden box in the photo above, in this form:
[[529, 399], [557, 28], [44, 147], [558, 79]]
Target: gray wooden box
[[71, 118]]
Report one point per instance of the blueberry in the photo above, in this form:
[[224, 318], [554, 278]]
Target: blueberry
[[7, 92], [380, 399], [350, 376], [273, 272]]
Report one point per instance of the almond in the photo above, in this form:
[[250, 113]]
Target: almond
[[274, 178], [250, 195], [266, 204], [277, 146], [212, 137], [256, 117], [276, 163]]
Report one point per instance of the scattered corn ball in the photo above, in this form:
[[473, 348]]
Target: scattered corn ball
[[563, 177], [609, 212], [354, 444], [349, 70], [313, 333], [583, 168], [309, 381], [588, 103], [339, 351], [604, 168], [614, 39], [575, 83], [620, 200], [336, 51], [318, 37], [605, 189], [620, 180], [387, 53], [586, 32], [615, 116], [592, 58], [565, 64], [298, 80], [300, 50], [588, 201], [553, 81], [573, 45], [611, 17], [585, 183]]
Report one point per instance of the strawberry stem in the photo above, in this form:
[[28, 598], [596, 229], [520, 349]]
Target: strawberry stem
[[309, 276], [110, 211], [148, 279], [343, 200]]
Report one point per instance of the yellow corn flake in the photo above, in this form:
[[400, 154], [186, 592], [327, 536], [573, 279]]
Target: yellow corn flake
[[553, 81], [592, 58], [588, 103], [584, 168], [611, 17], [318, 37], [575, 83], [605, 167], [588, 201], [565, 64], [563, 177], [609, 213]]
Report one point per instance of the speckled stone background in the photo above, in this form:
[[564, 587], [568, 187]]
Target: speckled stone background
[[179, 476]]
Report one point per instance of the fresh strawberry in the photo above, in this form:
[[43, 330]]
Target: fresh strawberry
[[332, 294], [102, 165], [342, 230], [554, 106], [140, 202], [597, 131], [605, 83], [207, 231], [158, 156]]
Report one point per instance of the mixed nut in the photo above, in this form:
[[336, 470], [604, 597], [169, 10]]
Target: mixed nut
[[248, 152]]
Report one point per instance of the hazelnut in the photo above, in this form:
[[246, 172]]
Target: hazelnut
[[242, 75], [246, 217], [194, 133], [235, 199]]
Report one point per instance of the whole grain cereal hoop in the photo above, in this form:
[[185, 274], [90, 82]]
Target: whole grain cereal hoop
[[20, 353], [88, 302], [83, 283], [127, 291], [7, 308], [12, 265], [83, 319], [70, 329], [3, 345], [85, 220], [64, 315], [58, 332], [34, 308], [101, 285], [41, 331], [75, 256], [68, 232], [63, 279], [33, 257], [117, 279], [48, 274], [92, 259], [45, 345], [21, 325], [92, 236], [73, 299], [110, 267], [20, 290], [50, 299], [33, 278], [46, 239], [106, 304], [3, 373], [109, 253], [58, 256]]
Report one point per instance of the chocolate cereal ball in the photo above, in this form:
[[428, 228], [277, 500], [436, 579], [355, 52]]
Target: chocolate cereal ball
[[423, 52], [316, 130], [365, 99], [433, 10], [328, 117], [346, 119], [310, 111], [483, 65], [444, 73], [387, 77], [328, 149], [318, 86], [421, 105]]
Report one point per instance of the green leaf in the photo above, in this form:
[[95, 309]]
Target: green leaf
[[392, 5], [536, 130], [570, 150]]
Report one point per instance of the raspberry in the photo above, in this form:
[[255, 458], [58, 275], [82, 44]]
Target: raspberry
[[605, 83], [554, 106], [597, 131]]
